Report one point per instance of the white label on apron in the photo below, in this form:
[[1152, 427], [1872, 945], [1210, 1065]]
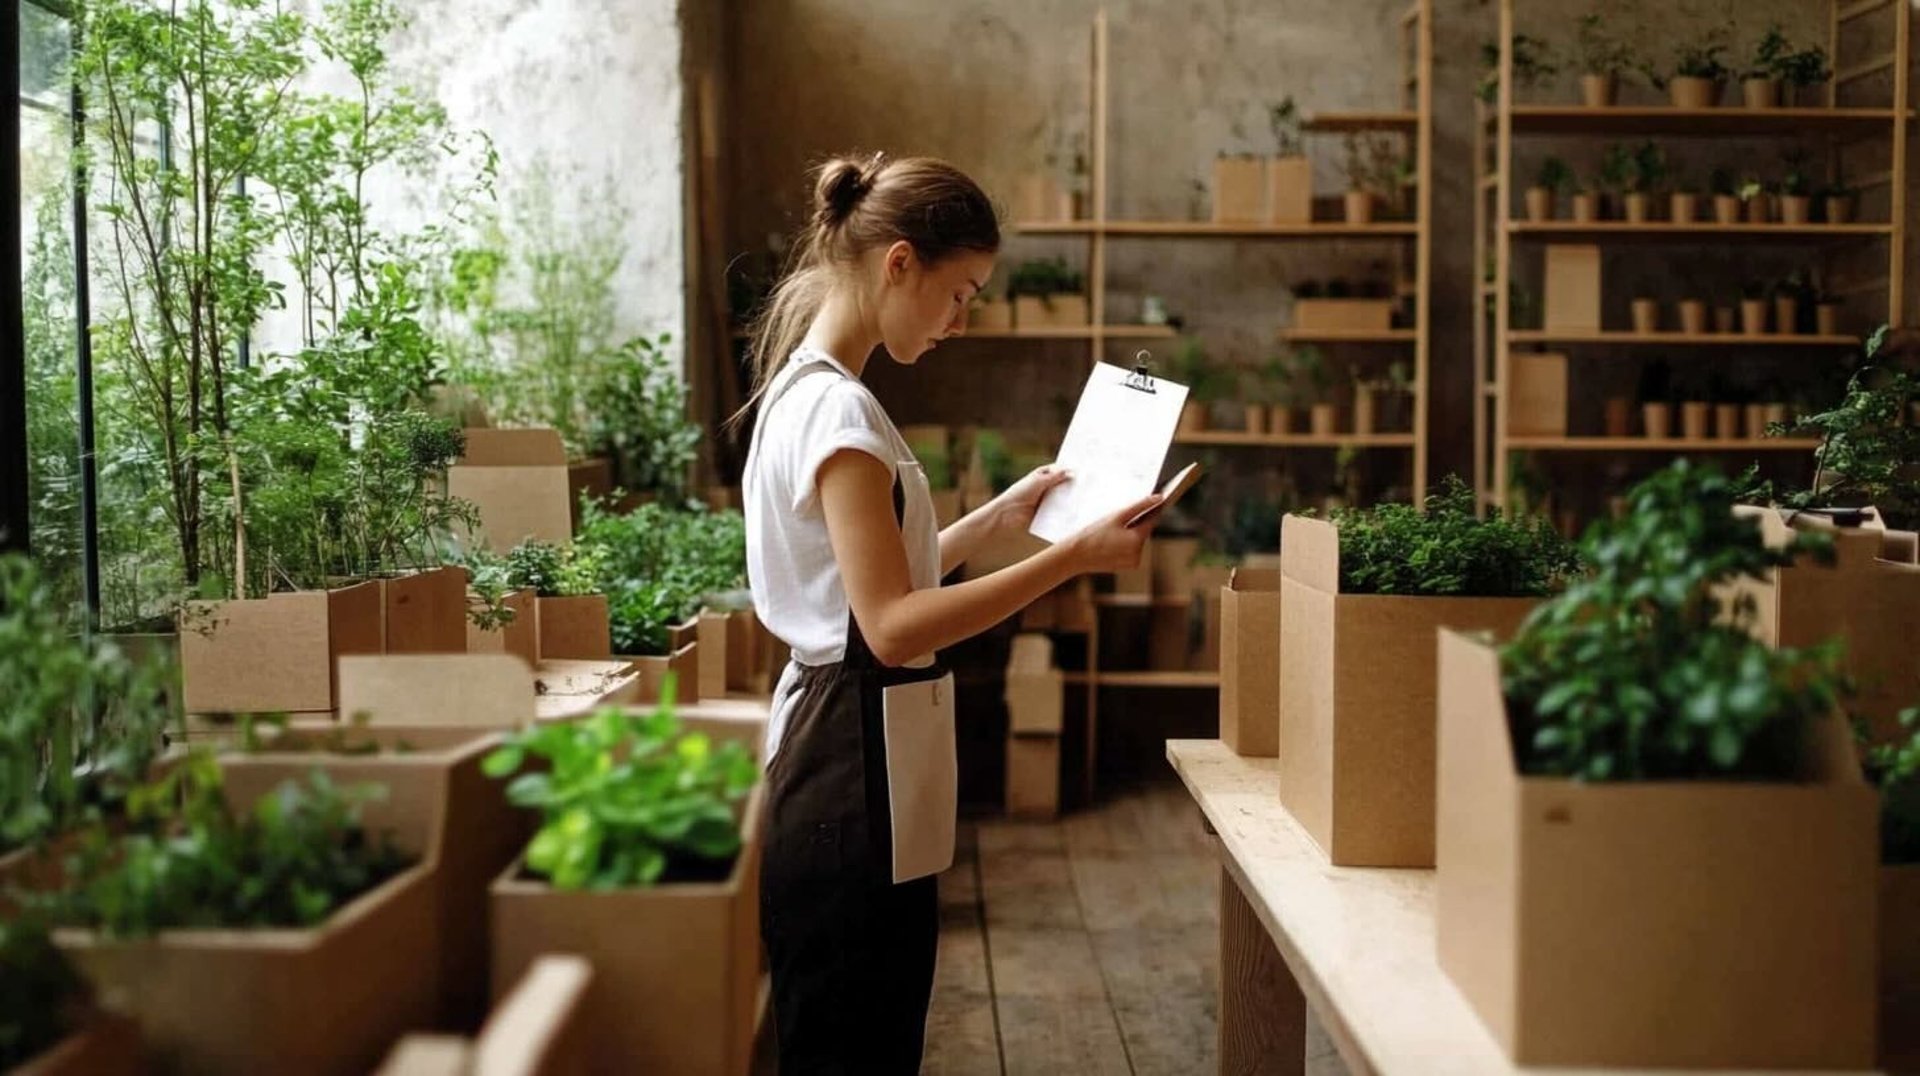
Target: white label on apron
[[923, 776]]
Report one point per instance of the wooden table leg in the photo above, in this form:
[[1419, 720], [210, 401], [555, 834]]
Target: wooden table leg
[[1263, 1014]]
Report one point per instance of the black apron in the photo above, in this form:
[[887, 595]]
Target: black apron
[[850, 950]]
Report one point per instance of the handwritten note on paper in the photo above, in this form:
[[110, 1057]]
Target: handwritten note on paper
[[1115, 447]]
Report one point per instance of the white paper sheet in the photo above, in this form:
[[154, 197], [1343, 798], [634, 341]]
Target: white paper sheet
[[1115, 447]]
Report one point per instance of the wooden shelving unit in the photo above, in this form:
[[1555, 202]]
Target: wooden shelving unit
[[1077, 332], [1414, 121], [1851, 116]]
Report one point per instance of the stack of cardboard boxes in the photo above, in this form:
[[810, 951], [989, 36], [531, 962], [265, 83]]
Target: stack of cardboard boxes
[[1036, 705]]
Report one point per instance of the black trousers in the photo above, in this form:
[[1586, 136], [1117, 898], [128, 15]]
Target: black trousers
[[851, 954]]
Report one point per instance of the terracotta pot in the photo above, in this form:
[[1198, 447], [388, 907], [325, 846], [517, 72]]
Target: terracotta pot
[[1646, 316], [1693, 317], [1693, 419], [1760, 209], [1776, 414], [1726, 209], [1256, 418], [1359, 207], [1619, 415], [1796, 209], [1363, 410], [1639, 208], [1280, 420], [1755, 416], [1326, 419], [1786, 315], [1599, 91], [1586, 207], [1827, 319], [1657, 418], [1683, 207], [1540, 204], [1726, 421], [1753, 316], [1725, 320], [1193, 418], [1761, 92], [1686, 92], [1839, 209]]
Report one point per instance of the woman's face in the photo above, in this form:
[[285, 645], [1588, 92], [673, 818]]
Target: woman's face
[[921, 304]]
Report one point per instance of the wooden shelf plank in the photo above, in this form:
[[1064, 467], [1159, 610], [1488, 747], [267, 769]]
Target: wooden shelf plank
[[1679, 339], [1349, 336], [1295, 440], [1201, 229], [1668, 232], [1662, 444], [1334, 122], [1073, 332], [1703, 122], [1863, 8], [1155, 679], [1141, 601]]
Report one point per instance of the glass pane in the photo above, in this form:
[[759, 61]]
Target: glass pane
[[47, 279]]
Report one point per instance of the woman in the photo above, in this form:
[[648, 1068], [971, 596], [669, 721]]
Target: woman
[[845, 563]]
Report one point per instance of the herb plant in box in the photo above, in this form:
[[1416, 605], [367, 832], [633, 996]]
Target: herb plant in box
[[1047, 294], [501, 617], [1207, 383], [299, 926], [1699, 71], [1289, 170], [1603, 59], [1894, 768], [1554, 180], [646, 861], [1634, 769], [572, 609], [1364, 591]]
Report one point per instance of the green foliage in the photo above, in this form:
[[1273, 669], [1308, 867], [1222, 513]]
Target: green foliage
[[936, 460], [1044, 278], [1641, 671], [626, 799], [658, 564], [1206, 381], [1869, 442], [1775, 57], [637, 417], [1602, 53], [1633, 169], [1532, 64], [1284, 118], [1555, 175], [994, 459], [1700, 58], [79, 722], [38, 988], [289, 861], [1894, 768], [489, 583], [1447, 550], [556, 571]]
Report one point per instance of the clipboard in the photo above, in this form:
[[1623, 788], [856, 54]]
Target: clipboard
[[1115, 447], [1177, 486]]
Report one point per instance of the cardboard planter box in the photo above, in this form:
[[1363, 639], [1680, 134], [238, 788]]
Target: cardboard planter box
[[518, 480], [1573, 288], [1250, 663], [676, 966], [325, 999], [1210, 582], [275, 653], [1539, 403], [683, 664], [567, 689], [1239, 190], [1356, 747], [538, 1029], [1870, 598], [1900, 967], [1693, 924], [1035, 691], [750, 654], [1289, 190], [1052, 312], [103, 1045], [1343, 315], [592, 476], [1033, 776], [426, 612], [712, 635], [575, 628], [519, 636]]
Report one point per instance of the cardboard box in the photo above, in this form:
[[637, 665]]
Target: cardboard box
[[990, 316], [1900, 967], [1210, 581], [260, 655], [1653, 924], [744, 668], [426, 612], [518, 481], [1170, 641], [1356, 743], [1239, 190], [1035, 690], [103, 1045], [683, 664], [1250, 662], [676, 966], [1289, 190], [1037, 197], [575, 628], [1573, 288], [538, 1029], [1342, 315], [519, 636], [1539, 396], [1052, 312], [1033, 777], [322, 1000], [1869, 598], [712, 636], [593, 477], [567, 689]]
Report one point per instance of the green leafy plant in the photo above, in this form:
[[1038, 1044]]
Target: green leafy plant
[[626, 800], [556, 571], [1775, 58], [1869, 452], [659, 563], [637, 417], [1555, 176], [936, 460], [1044, 278], [1640, 671], [1766, 55], [1446, 549], [1720, 181], [1894, 768], [38, 991], [289, 861], [1633, 169], [79, 721], [489, 583], [1205, 379], [1601, 52], [1532, 64], [1284, 118]]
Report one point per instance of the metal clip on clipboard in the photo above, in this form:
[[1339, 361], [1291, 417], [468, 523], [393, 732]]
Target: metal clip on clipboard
[[1141, 380]]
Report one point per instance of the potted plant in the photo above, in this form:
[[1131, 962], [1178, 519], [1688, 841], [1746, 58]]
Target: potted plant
[[1359, 200], [1373, 584], [1634, 172], [1555, 179], [1695, 419], [1254, 401], [1309, 381], [1586, 201], [571, 609], [1693, 317], [1683, 203], [1276, 388], [1786, 303], [1206, 383], [1289, 171], [1838, 200], [1239, 183], [1655, 392], [1760, 83], [1726, 408], [225, 927], [1726, 197], [644, 862], [1699, 72], [1726, 320], [1826, 311], [1758, 199], [1753, 308], [1603, 59], [1796, 191], [660, 566], [501, 618], [1594, 724], [1803, 69], [1047, 293], [1394, 399], [1646, 316], [1532, 64], [637, 419]]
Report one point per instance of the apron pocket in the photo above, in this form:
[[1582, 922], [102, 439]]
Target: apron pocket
[[923, 775]]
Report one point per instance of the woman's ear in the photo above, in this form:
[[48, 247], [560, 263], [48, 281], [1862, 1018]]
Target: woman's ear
[[899, 258]]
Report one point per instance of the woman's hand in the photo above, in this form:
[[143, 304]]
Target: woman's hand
[[1110, 545], [1014, 508]]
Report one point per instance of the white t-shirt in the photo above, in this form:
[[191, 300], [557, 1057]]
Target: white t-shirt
[[817, 408]]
